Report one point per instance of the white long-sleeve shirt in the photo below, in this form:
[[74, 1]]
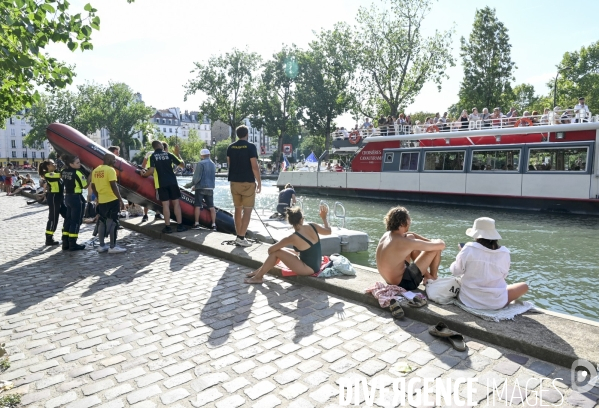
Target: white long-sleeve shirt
[[483, 272]]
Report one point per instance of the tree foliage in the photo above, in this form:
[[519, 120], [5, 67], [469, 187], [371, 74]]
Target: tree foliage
[[582, 79], [190, 148], [312, 143], [118, 110], [27, 27], [523, 98], [226, 81], [487, 62], [114, 107], [221, 151], [394, 59], [326, 71], [273, 100]]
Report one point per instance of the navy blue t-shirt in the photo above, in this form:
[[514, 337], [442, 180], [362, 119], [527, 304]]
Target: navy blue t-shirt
[[240, 168], [286, 195], [163, 162]]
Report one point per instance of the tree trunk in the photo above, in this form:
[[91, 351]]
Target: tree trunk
[[327, 134]]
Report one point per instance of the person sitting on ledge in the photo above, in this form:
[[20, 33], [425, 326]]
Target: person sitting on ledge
[[305, 241], [398, 247], [483, 266]]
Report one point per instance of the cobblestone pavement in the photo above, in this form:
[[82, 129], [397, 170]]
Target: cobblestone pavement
[[161, 325]]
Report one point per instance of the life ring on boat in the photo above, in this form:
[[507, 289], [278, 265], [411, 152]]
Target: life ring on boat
[[523, 120], [354, 137], [432, 129]]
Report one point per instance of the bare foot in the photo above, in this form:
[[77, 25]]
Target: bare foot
[[251, 274], [252, 280]]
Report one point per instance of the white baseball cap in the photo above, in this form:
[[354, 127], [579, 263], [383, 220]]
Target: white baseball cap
[[205, 152]]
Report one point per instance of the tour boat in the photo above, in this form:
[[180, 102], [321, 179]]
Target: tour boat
[[544, 163]]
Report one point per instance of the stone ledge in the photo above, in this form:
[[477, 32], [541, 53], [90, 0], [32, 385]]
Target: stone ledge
[[550, 336]]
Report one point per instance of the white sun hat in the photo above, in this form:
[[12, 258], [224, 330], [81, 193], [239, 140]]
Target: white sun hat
[[483, 228], [204, 152]]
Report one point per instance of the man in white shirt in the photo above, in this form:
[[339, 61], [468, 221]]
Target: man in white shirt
[[582, 111], [344, 133]]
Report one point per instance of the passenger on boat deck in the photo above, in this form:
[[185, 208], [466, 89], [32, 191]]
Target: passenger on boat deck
[[567, 116], [474, 116], [367, 124], [513, 112], [545, 117], [399, 246], [535, 117], [305, 241], [483, 266], [390, 126], [486, 117], [582, 111], [464, 120], [344, 133]]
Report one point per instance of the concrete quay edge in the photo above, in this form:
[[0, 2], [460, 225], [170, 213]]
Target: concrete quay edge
[[554, 337]]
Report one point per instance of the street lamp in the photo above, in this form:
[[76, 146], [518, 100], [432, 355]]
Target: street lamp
[[213, 146], [555, 83]]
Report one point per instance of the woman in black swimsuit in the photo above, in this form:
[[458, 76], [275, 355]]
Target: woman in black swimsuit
[[305, 241]]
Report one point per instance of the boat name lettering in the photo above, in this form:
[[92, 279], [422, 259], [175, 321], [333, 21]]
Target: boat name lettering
[[369, 155]]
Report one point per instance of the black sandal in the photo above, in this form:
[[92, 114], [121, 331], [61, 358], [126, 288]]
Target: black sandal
[[396, 310], [417, 301]]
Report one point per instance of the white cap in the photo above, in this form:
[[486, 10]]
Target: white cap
[[205, 152]]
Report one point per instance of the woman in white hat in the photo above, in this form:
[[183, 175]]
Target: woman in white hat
[[483, 266]]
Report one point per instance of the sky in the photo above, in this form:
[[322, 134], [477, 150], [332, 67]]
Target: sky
[[152, 45]]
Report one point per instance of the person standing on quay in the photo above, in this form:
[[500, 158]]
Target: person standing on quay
[[161, 167], [245, 183], [110, 203], [74, 184], [203, 182]]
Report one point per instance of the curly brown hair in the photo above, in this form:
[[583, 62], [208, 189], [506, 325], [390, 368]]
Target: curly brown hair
[[294, 215], [397, 217]]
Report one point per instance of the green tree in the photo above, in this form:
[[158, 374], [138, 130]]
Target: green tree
[[394, 59], [121, 113], [523, 98], [487, 62], [323, 90], [421, 116], [312, 143], [190, 148], [27, 28], [76, 109], [582, 79], [221, 150], [273, 100], [226, 81]]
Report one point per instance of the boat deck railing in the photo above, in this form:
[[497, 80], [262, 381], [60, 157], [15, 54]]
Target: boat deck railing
[[554, 117]]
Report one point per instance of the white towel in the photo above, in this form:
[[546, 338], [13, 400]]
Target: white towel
[[507, 313]]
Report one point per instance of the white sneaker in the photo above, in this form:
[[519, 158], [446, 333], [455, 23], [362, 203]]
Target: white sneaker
[[116, 250], [242, 242], [197, 227], [101, 248]]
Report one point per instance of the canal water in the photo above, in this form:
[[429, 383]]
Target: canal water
[[556, 254]]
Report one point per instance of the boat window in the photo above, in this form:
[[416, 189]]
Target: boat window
[[389, 157], [452, 161], [495, 160], [409, 161], [558, 159]]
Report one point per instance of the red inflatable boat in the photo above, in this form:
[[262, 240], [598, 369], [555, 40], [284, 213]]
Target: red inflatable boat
[[133, 187]]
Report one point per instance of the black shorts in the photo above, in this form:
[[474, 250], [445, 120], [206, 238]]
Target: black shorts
[[205, 195], [110, 210], [168, 193], [412, 277]]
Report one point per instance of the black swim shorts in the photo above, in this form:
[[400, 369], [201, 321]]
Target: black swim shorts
[[412, 277]]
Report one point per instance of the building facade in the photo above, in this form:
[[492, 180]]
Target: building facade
[[12, 147]]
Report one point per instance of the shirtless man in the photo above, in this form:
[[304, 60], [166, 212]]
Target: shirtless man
[[398, 247]]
